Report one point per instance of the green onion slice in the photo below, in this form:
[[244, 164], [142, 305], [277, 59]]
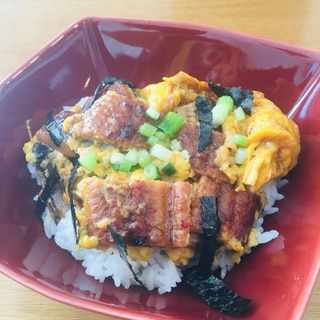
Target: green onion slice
[[143, 158], [152, 141], [132, 156], [175, 145], [151, 172], [160, 152], [117, 158], [219, 114], [171, 123], [185, 154], [126, 166], [153, 114], [162, 136], [227, 101], [147, 129], [220, 111], [239, 114], [240, 140], [240, 156], [169, 169], [116, 166], [88, 160]]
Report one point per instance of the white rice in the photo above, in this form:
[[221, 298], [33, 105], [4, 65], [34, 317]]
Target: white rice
[[159, 272]]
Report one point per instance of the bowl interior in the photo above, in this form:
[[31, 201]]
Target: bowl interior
[[277, 275]]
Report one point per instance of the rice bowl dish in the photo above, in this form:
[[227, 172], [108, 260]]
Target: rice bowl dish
[[290, 79]]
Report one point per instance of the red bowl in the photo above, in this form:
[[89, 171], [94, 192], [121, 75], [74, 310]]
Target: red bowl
[[278, 275]]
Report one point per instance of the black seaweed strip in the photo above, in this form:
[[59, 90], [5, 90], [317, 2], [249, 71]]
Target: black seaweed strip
[[41, 151], [72, 179], [241, 98], [52, 179], [122, 248], [53, 129], [204, 107], [211, 229], [216, 293], [213, 291]]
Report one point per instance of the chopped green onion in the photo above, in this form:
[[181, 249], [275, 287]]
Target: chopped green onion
[[132, 156], [227, 101], [162, 136], [89, 160], [152, 141], [219, 114], [116, 166], [239, 114], [151, 172], [185, 154], [121, 162], [169, 169], [240, 140], [126, 166], [240, 156], [160, 152], [117, 158], [175, 145], [153, 114], [143, 158], [147, 129], [171, 123], [220, 111]]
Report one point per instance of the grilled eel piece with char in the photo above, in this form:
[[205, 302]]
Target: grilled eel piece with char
[[166, 212]]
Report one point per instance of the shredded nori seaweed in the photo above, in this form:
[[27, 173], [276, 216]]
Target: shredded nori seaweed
[[213, 291], [122, 248], [41, 151], [204, 107], [211, 229], [51, 180], [103, 86], [241, 98], [71, 181], [53, 129]]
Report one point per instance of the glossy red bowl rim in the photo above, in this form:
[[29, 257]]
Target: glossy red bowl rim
[[160, 23]]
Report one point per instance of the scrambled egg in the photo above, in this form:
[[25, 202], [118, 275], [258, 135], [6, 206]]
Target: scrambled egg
[[173, 91], [273, 146]]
